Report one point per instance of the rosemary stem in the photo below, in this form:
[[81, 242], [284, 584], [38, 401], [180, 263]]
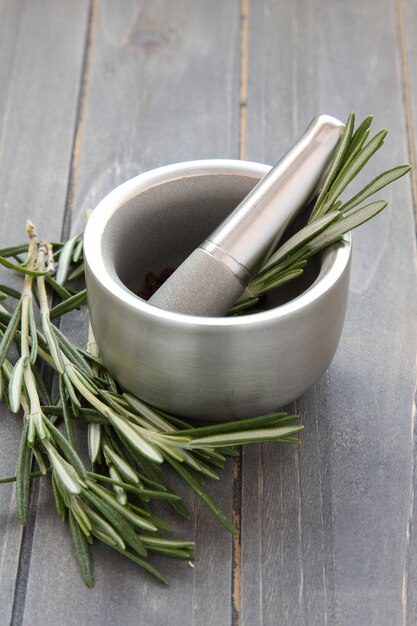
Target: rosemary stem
[[33, 411], [27, 290], [12, 479]]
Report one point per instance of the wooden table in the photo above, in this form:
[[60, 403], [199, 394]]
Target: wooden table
[[93, 93]]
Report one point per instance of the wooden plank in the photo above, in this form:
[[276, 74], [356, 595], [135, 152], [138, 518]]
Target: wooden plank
[[324, 526], [163, 87], [407, 34], [41, 44]]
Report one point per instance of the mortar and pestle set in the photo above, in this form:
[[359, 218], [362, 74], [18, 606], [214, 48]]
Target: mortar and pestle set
[[179, 351]]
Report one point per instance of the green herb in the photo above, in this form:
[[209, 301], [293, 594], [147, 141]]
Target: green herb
[[329, 220], [129, 442]]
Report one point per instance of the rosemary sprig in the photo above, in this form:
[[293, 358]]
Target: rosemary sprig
[[128, 440], [328, 221]]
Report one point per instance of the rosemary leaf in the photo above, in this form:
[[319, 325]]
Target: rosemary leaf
[[66, 412], [158, 522], [380, 181], [340, 153], [33, 335], [289, 275], [207, 455], [122, 466], [23, 467], [10, 332], [77, 272], [119, 523], [15, 384], [349, 172], [344, 225], [204, 495], [65, 260], [134, 519], [69, 304], [40, 460], [150, 540], [22, 269], [66, 473], [69, 451], [247, 436], [360, 135], [2, 385], [82, 552], [52, 342], [9, 291], [101, 525], [299, 239], [73, 353], [59, 502], [135, 439], [86, 414], [238, 425], [146, 411], [199, 466], [174, 553], [59, 289], [156, 495], [78, 509], [78, 249], [75, 403], [13, 250], [63, 492], [147, 566], [94, 438]]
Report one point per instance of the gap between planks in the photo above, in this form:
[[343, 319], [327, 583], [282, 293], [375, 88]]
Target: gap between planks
[[80, 120], [405, 71], [238, 463]]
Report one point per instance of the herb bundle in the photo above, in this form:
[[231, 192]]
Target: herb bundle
[[129, 442], [331, 217]]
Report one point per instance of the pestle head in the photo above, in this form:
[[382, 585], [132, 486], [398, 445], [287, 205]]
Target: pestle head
[[203, 286], [212, 278]]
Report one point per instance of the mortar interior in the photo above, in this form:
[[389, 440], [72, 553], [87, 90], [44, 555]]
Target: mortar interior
[[161, 226]]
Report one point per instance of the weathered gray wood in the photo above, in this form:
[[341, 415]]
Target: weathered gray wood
[[41, 44], [324, 527], [328, 529], [407, 31], [162, 87]]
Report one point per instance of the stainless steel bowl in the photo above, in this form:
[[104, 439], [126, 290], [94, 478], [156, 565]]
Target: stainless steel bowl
[[201, 367]]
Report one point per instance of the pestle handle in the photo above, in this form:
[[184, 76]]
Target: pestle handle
[[212, 278]]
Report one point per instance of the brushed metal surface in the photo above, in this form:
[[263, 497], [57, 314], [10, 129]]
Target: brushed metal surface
[[253, 229], [201, 367]]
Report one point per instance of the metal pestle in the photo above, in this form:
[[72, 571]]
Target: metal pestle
[[212, 278]]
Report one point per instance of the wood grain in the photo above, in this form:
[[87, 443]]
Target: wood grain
[[324, 526], [96, 92], [41, 44], [163, 87]]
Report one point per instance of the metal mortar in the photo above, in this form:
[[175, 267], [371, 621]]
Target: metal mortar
[[203, 367]]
